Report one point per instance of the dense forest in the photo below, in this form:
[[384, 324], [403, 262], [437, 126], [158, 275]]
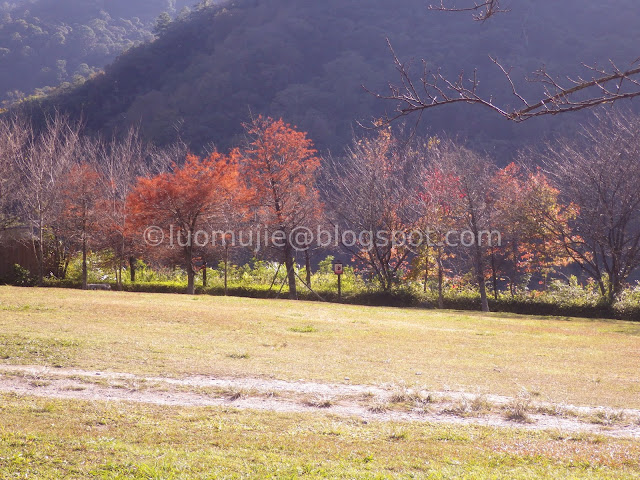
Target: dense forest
[[307, 61], [47, 43]]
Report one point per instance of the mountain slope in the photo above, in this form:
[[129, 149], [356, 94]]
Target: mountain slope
[[44, 43], [306, 61]]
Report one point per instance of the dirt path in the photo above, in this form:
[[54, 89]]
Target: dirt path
[[382, 403]]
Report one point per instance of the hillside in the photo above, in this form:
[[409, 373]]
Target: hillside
[[306, 61], [45, 43]]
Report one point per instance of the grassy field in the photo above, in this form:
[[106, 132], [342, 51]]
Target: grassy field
[[47, 439], [590, 363], [582, 362]]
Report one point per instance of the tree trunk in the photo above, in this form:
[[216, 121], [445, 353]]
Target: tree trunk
[[226, 270], [132, 269], [291, 274], [516, 272], [426, 269], [494, 275], [40, 255], [440, 281], [307, 266], [615, 282], [204, 275], [85, 285], [615, 288], [191, 281], [191, 274], [121, 260], [484, 302], [602, 287]]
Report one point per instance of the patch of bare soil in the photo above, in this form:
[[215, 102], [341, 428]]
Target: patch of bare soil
[[381, 403]]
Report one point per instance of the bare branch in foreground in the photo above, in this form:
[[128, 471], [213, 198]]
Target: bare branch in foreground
[[432, 89], [481, 10]]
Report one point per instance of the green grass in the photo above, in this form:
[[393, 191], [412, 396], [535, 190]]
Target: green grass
[[585, 362], [305, 329], [27, 350], [53, 439]]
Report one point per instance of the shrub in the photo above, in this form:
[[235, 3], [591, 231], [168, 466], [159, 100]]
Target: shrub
[[21, 277], [256, 280]]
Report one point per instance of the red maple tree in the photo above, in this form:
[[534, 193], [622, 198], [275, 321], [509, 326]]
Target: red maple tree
[[280, 166], [186, 200]]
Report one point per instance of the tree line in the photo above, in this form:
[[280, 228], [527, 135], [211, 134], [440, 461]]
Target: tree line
[[573, 202]]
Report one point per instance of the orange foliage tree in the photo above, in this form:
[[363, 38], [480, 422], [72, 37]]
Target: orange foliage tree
[[280, 167], [524, 199], [182, 203]]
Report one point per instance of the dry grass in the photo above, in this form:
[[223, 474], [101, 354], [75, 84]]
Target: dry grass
[[609, 417], [575, 361], [518, 409], [319, 402], [379, 407]]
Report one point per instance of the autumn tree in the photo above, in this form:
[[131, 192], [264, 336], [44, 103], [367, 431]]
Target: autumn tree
[[280, 167], [599, 173], [472, 198], [370, 193], [524, 199], [184, 201], [440, 211]]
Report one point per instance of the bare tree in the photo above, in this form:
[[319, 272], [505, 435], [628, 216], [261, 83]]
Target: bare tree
[[14, 135], [481, 11], [369, 194], [430, 89], [599, 174], [79, 196], [473, 193], [120, 163], [48, 157]]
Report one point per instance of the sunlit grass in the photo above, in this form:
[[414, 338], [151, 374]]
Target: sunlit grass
[[53, 439], [559, 360]]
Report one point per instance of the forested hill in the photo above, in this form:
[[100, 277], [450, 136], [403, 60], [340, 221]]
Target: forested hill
[[305, 60], [45, 43]]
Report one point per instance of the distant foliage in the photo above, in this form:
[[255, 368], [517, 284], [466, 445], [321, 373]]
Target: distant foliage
[[47, 43]]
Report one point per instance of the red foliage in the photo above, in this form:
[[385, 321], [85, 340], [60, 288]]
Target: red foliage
[[194, 196]]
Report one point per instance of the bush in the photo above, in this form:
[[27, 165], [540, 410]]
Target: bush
[[628, 305], [21, 277], [253, 280]]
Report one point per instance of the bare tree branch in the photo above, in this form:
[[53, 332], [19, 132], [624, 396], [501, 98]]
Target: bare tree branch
[[481, 10], [599, 174], [432, 89]]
